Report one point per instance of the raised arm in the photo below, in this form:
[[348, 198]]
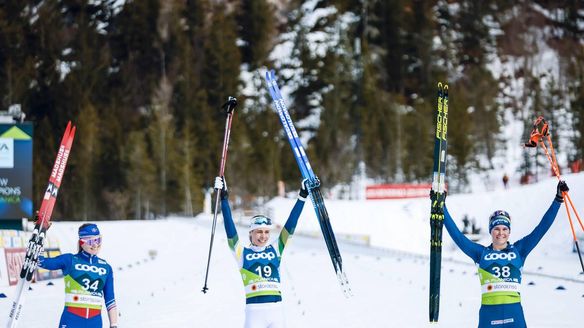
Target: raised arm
[[526, 244], [61, 262], [467, 246], [292, 221], [230, 230]]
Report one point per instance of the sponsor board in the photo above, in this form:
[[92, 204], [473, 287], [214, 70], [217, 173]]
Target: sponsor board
[[14, 260], [16, 144], [397, 191]]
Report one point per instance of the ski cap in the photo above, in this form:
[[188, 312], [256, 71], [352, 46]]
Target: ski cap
[[260, 222], [88, 230], [499, 217]]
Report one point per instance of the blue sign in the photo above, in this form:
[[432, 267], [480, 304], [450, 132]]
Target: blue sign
[[16, 170]]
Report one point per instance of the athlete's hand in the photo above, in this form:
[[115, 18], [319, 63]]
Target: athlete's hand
[[434, 195], [562, 187], [303, 189], [221, 184], [37, 220]]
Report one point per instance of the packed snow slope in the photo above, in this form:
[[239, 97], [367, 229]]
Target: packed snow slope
[[160, 267]]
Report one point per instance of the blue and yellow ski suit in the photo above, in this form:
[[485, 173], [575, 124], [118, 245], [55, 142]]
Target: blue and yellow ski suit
[[500, 271]]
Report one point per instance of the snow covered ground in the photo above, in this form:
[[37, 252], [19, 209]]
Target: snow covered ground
[[160, 267]]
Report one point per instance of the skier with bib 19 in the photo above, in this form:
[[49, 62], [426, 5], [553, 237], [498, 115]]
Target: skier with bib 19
[[259, 262], [500, 263], [88, 281]]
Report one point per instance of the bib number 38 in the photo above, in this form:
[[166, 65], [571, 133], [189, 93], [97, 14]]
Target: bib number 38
[[504, 272]]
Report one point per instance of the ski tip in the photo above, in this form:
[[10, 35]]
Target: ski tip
[[445, 87], [440, 85]]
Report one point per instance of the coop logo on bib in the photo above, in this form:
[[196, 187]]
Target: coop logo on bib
[[90, 268], [257, 256], [500, 256]]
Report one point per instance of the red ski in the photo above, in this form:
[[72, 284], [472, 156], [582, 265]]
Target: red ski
[[35, 244]]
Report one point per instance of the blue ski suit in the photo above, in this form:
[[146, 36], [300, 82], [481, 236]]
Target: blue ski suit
[[500, 271], [88, 281]]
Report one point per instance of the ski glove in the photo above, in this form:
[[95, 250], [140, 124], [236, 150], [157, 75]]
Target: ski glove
[[562, 187], [221, 184], [304, 189], [37, 221], [434, 195]]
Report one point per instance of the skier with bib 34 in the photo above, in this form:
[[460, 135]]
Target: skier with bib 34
[[88, 281], [500, 264], [259, 262]]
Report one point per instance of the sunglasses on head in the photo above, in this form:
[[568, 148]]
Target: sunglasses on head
[[92, 241], [500, 213], [261, 220]]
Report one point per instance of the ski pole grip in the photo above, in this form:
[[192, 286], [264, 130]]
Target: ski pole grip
[[230, 105]]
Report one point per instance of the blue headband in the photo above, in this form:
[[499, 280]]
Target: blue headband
[[89, 231], [499, 220]]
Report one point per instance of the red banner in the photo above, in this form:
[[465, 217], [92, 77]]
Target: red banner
[[397, 191], [14, 260]]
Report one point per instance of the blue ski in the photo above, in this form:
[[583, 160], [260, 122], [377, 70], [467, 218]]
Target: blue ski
[[313, 181]]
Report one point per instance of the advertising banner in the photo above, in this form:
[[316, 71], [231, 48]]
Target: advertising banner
[[16, 171], [397, 191], [14, 260]]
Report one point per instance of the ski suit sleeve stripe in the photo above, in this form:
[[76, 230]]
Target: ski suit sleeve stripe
[[62, 262], [108, 291], [526, 244], [230, 231], [290, 224], [470, 248]]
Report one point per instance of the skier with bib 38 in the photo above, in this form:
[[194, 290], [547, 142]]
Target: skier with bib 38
[[500, 263], [259, 262], [88, 281]]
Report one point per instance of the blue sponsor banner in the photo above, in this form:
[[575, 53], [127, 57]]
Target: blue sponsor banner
[[16, 170]]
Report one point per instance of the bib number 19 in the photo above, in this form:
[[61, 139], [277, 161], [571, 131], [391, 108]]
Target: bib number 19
[[264, 271]]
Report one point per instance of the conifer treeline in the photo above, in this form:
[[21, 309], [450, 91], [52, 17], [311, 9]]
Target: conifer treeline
[[144, 82]]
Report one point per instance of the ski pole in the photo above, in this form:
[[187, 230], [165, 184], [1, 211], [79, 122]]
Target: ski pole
[[537, 136], [554, 164], [229, 106]]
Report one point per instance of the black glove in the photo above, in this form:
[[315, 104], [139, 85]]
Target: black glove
[[562, 187], [434, 195], [303, 193], [221, 184]]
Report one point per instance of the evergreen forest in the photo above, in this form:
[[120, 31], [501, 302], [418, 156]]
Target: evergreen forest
[[144, 81]]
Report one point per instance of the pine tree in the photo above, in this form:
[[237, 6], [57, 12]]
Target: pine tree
[[256, 28], [141, 176]]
